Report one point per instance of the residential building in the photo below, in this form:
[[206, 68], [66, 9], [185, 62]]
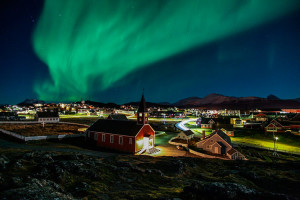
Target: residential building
[[220, 143], [186, 135]]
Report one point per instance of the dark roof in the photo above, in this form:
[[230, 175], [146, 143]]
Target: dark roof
[[47, 114], [188, 132], [222, 135], [231, 151], [142, 106], [205, 120], [222, 120], [8, 114], [120, 127], [117, 117], [228, 127]]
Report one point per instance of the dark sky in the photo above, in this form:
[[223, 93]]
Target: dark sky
[[259, 61]]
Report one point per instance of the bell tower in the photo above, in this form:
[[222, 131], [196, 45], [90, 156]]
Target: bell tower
[[142, 114]]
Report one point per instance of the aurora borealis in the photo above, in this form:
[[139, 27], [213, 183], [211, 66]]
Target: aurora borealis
[[111, 49], [88, 42]]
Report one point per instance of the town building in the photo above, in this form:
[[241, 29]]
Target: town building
[[207, 123], [124, 135], [220, 143], [47, 117], [186, 135], [277, 127]]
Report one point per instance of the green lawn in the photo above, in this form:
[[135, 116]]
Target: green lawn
[[198, 131], [267, 143], [286, 141]]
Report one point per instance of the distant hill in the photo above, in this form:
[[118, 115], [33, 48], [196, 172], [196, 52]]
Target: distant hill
[[99, 104], [218, 101], [29, 102], [298, 99], [272, 97]]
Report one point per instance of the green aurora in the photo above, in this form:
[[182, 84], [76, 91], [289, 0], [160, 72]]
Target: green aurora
[[90, 45]]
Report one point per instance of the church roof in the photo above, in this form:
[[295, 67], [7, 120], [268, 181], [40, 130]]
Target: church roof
[[120, 127], [188, 132], [142, 106]]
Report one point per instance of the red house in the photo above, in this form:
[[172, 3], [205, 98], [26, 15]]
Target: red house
[[277, 127], [127, 136]]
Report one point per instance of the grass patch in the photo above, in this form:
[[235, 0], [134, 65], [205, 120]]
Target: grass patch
[[38, 129]]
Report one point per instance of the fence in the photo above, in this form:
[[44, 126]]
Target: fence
[[36, 138], [205, 155]]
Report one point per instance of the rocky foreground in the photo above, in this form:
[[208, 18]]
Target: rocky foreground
[[39, 175]]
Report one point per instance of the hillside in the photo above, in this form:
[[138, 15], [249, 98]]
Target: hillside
[[45, 175]]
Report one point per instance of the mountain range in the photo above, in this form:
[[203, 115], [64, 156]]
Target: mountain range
[[218, 101], [212, 101]]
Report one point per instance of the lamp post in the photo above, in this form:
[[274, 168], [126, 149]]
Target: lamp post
[[275, 140]]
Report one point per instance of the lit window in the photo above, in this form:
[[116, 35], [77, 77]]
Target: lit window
[[141, 114], [103, 137], [130, 140], [120, 140], [146, 114], [96, 136], [111, 139]]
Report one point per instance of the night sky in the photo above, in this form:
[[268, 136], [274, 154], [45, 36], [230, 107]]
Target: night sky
[[108, 51]]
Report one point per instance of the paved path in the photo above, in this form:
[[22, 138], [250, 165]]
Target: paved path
[[167, 149]]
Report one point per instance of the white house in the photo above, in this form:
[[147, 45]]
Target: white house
[[186, 135]]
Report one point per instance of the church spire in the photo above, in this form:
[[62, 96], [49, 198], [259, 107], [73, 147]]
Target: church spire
[[142, 114]]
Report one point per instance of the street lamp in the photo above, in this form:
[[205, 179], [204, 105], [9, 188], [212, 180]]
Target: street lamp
[[275, 140]]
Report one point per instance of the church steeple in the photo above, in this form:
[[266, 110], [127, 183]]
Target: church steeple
[[142, 114]]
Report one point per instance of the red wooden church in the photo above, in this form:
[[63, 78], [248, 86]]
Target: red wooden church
[[122, 135]]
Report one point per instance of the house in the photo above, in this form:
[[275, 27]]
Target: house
[[124, 135], [237, 122], [223, 124], [117, 117], [219, 143], [186, 135], [47, 117], [229, 133], [207, 123], [276, 126], [261, 117]]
